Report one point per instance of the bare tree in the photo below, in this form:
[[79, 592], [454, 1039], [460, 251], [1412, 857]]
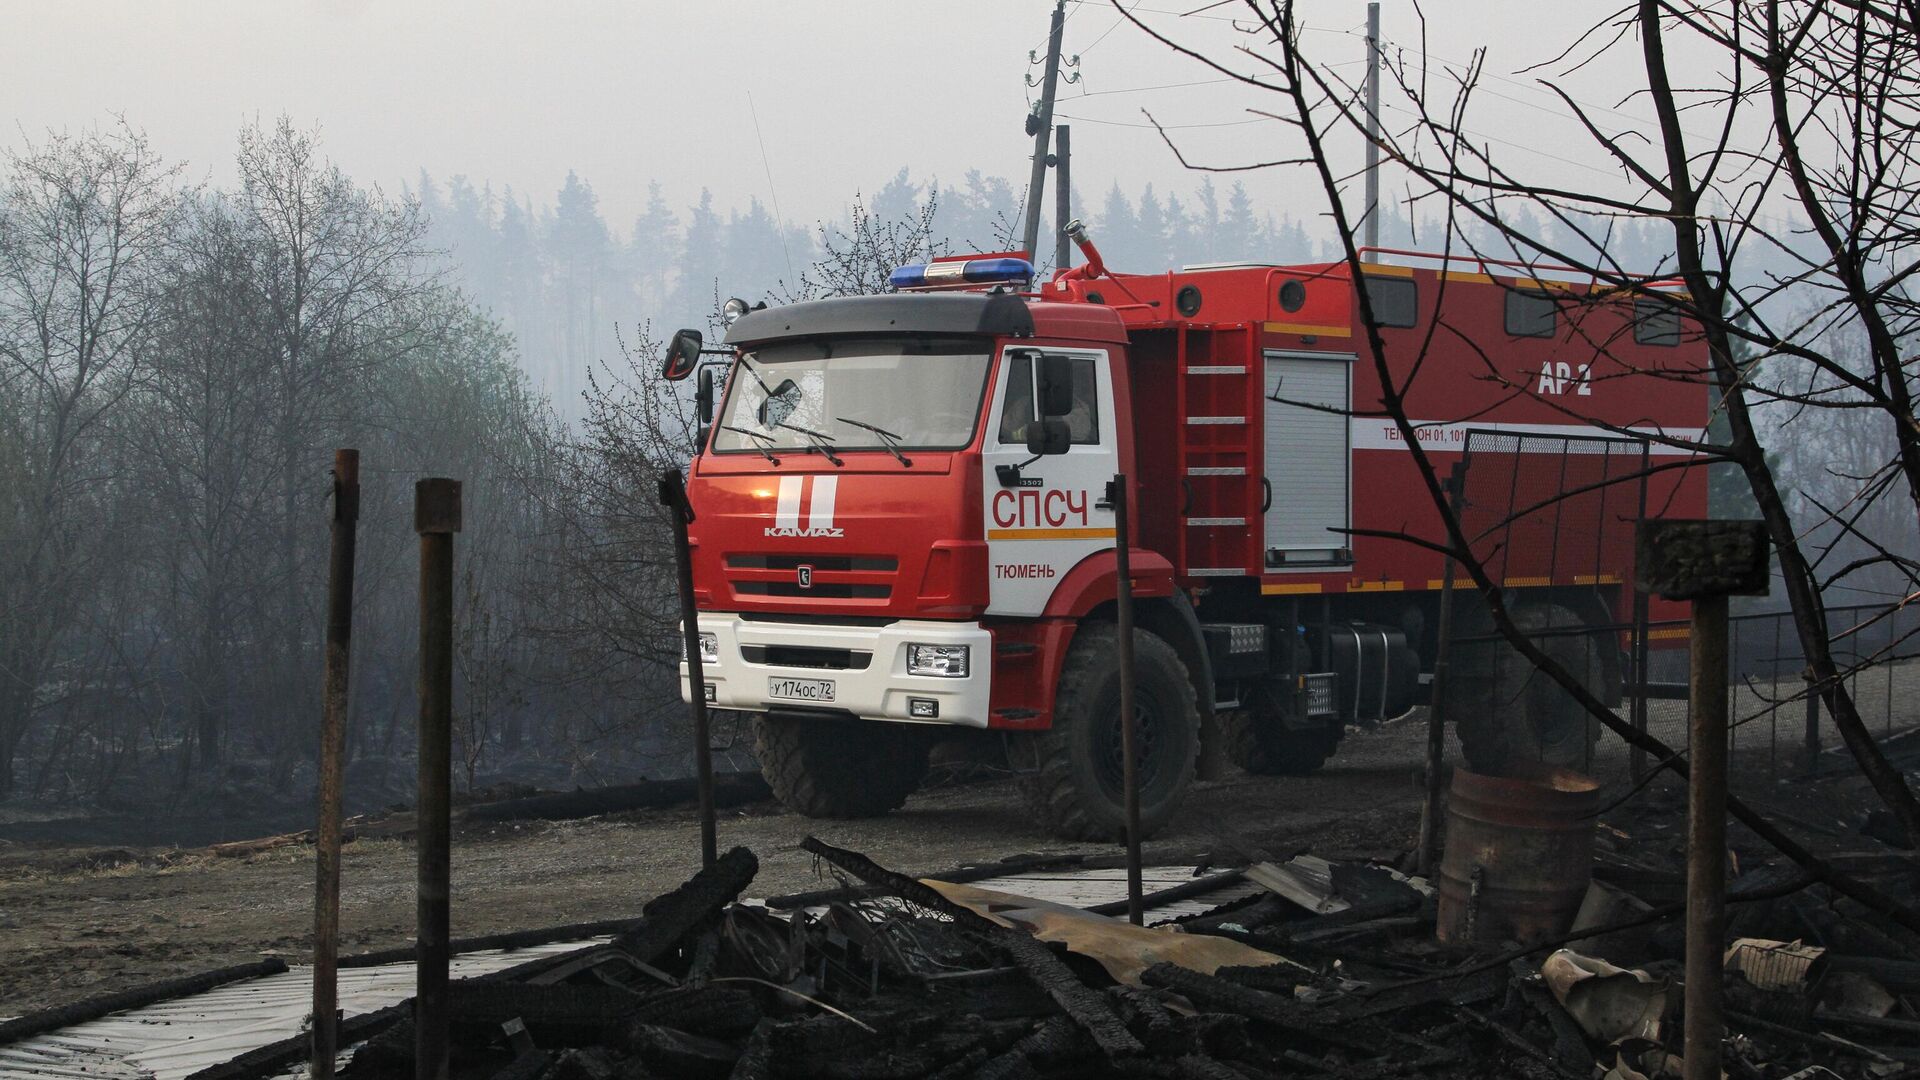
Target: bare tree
[[85, 222], [859, 257], [333, 265], [1832, 82]]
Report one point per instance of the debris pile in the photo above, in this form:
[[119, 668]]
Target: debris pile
[[1332, 970]]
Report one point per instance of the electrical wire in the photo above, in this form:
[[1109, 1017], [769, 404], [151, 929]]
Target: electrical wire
[[1162, 127], [1116, 25], [773, 193]]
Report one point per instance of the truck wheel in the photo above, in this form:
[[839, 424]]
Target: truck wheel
[[1260, 743], [827, 767], [1076, 786], [1508, 715]]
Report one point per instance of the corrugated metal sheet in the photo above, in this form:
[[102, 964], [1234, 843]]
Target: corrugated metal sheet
[[1085, 888], [177, 1038], [174, 1039]]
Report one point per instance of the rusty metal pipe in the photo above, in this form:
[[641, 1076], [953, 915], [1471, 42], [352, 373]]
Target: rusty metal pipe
[[436, 517], [333, 737], [1706, 838], [1129, 722], [673, 496], [1431, 830]]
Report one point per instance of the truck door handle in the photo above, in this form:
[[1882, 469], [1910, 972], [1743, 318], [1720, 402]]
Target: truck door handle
[[1186, 497], [1266, 494]]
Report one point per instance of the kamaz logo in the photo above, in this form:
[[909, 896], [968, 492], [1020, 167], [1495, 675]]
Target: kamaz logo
[[816, 493], [803, 576]]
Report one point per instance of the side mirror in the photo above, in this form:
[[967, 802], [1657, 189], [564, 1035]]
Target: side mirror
[[1049, 436], [683, 355], [780, 404], [1053, 386], [703, 396]]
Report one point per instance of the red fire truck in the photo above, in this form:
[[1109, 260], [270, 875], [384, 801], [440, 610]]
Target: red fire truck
[[903, 527]]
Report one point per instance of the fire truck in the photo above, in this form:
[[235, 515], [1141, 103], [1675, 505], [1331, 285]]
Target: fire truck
[[903, 527]]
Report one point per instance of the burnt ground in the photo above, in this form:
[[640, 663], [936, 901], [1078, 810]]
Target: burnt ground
[[69, 929], [78, 921]]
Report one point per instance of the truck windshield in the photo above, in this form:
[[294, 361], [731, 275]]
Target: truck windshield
[[923, 394]]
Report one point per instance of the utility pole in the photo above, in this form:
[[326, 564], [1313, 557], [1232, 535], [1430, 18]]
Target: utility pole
[[1042, 127], [1063, 201], [1372, 216]]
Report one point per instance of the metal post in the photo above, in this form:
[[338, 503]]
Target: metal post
[[1037, 183], [1811, 745], [333, 738], [1129, 721], [1637, 758], [1430, 827], [1704, 562], [1063, 198], [436, 517], [1706, 838], [1373, 126], [673, 496]]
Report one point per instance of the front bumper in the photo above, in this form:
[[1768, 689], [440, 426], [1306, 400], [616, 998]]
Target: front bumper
[[880, 690]]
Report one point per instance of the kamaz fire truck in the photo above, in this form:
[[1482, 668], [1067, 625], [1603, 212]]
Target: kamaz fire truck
[[903, 527]]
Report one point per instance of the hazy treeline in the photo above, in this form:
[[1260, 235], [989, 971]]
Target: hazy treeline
[[177, 364], [559, 275]]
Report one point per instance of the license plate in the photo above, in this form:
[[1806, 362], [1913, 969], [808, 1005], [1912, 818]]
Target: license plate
[[800, 689]]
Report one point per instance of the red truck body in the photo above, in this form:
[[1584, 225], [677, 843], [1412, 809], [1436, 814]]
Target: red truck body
[[1271, 494]]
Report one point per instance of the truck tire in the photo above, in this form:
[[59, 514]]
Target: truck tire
[[1260, 743], [829, 767], [1076, 783], [1509, 716]]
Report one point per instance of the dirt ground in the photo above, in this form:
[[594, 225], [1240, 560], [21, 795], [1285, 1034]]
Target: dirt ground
[[67, 932], [76, 922]]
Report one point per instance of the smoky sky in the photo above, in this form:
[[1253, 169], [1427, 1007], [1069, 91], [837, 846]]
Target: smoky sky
[[844, 92]]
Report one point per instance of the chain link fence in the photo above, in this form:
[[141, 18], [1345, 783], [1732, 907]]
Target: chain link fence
[[1553, 518]]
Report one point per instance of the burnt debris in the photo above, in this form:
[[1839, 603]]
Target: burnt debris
[[1333, 970]]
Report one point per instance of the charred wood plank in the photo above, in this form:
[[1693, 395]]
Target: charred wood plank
[[1199, 886], [972, 872], [1054, 1039], [676, 1053], [1262, 1007], [272, 1058], [756, 1061], [528, 1066], [514, 939], [1084, 1005], [669, 919]]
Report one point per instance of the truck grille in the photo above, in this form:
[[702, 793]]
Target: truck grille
[[833, 577], [807, 656]]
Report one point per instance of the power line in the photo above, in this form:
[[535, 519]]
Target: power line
[[1116, 25], [772, 192], [1163, 127]]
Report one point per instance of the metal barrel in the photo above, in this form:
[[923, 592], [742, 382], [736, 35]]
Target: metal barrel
[[1518, 857]]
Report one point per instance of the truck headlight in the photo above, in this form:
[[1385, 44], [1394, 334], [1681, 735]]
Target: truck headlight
[[943, 661], [709, 649]]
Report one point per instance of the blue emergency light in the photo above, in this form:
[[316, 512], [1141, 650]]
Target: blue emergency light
[[962, 270]]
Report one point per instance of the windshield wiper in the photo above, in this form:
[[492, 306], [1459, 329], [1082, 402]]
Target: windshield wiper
[[820, 444], [761, 445], [887, 439], [755, 372]]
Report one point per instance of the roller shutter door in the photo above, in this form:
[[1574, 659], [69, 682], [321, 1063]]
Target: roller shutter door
[[1308, 455]]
